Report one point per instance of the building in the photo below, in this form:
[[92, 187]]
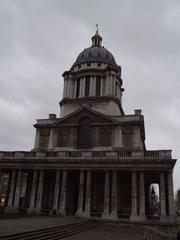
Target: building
[[92, 160]]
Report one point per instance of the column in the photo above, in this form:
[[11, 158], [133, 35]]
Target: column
[[163, 215], [50, 144], [91, 92], [102, 82], [110, 84], [62, 209], [11, 191], [171, 198], [64, 88], [137, 137], [133, 216], [106, 196], [82, 85], [94, 85], [107, 84], [114, 196], [18, 189], [37, 138], [87, 211], [117, 140], [81, 191], [40, 192], [1, 174], [142, 214], [33, 192], [56, 192], [75, 87]]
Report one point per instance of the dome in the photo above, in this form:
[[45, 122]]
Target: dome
[[95, 54]]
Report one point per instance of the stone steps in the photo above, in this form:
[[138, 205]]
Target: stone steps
[[53, 233]]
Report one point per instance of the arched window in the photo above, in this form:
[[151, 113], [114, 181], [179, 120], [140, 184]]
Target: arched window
[[85, 134]]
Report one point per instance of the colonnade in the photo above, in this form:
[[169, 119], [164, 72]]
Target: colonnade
[[108, 86], [110, 211]]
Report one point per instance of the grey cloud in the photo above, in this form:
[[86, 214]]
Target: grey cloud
[[41, 39]]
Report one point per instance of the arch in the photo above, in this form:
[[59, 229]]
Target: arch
[[84, 134]]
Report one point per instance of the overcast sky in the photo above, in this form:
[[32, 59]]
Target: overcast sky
[[40, 39]]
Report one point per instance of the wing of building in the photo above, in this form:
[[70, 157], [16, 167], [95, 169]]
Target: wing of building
[[91, 161]]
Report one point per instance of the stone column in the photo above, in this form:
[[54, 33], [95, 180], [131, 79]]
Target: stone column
[[94, 85], [11, 191], [18, 189], [114, 196], [33, 192], [87, 211], [37, 138], [91, 91], [137, 137], [82, 84], [62, 209], [142, 214], [101, 90], [81, 191], [50, 143], [64, 89], [106, 196], [171, 198], [56, 193], [163, 215], [117, 140], [75, 87], [107, 84], [0, 181], [134, 216], [110, 84], [40, 192]]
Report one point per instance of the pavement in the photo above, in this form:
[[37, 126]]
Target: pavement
[[103, 231]]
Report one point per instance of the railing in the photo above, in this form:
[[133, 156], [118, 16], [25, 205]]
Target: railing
[[166, 154]]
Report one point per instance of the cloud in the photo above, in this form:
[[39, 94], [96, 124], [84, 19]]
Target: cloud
[[41, 39]]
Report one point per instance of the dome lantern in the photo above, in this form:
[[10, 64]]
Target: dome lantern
[[96, 39]]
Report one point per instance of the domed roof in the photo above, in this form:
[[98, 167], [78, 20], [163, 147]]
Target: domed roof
[[95, 54]]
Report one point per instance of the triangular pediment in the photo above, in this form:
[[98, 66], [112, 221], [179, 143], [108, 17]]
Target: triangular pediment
[[85, 112]]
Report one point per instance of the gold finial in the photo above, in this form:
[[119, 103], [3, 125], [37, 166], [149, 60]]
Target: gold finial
[[97, 30]]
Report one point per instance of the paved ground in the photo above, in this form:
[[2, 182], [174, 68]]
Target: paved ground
[[109, 233], [10, 226], [102, 232]]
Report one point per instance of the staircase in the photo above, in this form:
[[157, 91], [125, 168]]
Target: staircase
[[53, 233], [152, 234]]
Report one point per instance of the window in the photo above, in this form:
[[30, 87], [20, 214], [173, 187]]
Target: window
[[98, 86], [77, 87], [84, 134], [87, 86]]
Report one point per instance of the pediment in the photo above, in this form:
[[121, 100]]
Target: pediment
[[85, 112]]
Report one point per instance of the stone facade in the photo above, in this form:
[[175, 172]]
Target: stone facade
[[92, 160]]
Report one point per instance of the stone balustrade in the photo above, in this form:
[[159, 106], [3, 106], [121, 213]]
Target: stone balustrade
[[160, 154]]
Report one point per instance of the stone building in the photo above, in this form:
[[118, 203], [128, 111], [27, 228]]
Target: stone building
[[92, 160]]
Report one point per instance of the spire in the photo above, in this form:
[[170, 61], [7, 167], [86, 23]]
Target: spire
[[96, 39]]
